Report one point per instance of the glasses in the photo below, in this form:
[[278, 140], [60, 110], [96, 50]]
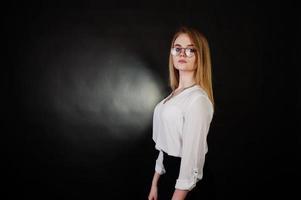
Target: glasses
[[189, 52]]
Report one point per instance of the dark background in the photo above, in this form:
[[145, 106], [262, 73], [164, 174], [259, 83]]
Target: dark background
[[252, 140]]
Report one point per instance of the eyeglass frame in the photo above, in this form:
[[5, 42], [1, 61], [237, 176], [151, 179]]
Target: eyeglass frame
[[185, 49]]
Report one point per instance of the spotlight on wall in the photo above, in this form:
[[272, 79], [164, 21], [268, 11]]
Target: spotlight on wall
[[113, 90]]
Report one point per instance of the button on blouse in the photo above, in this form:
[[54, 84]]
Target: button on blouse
[[180, 128]]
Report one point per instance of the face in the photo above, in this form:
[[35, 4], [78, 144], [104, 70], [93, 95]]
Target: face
[[182, 61]]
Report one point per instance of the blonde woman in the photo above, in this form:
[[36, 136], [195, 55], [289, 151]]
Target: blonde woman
[[181, 121]]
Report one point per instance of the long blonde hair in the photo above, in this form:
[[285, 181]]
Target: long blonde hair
[[203, 72]]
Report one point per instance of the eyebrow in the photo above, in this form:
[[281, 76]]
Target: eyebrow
[[180, 45]]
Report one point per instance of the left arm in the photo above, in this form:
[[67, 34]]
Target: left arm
[[179, 194], [197, 118]]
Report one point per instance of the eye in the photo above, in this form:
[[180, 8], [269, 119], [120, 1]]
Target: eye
[[178, 49], [191, 50]]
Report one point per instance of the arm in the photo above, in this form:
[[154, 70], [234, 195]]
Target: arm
[[159, 170], [197, 118], [153, 194], [179, 194], [155, 180]]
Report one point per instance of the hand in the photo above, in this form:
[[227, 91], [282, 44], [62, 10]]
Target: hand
[[153, 194]]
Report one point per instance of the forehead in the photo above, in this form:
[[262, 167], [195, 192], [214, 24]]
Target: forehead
[[183, 40]]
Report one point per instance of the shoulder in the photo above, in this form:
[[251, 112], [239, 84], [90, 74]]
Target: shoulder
[[199, 94], [199, 100], [158, 105]]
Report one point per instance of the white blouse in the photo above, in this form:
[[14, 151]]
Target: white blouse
[[180, 128]]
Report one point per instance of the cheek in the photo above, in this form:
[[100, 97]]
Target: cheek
[[174, 60], [192, 61]]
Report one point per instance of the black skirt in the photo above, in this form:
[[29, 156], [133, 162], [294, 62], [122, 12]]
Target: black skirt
[[204, 189]]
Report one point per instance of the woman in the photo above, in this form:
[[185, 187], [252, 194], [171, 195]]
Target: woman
[[181, 121]]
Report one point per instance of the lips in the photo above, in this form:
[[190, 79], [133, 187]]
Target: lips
[[182, 61]]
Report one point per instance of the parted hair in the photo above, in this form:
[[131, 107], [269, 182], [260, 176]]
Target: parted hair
[[203, 73]]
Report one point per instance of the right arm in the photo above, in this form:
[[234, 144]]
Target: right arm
[[156, 178], [153, 194], [159, 170]]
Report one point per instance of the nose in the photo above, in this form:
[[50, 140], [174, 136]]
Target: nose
[[182, 52]]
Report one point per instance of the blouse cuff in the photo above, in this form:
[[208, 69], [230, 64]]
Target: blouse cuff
[[160, 170], [185, 184]]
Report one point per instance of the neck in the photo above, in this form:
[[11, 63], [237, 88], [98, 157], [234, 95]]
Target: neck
[[186, 79]]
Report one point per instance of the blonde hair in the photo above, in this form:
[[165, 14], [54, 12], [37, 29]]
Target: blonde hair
[[202, 74]]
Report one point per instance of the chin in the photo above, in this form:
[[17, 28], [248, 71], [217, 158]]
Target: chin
[[184, 67]]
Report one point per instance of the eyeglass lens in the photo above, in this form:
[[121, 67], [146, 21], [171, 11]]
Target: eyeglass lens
[[177, 50]]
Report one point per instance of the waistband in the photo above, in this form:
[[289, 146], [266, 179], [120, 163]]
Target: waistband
[[169, 156], [171, 160]]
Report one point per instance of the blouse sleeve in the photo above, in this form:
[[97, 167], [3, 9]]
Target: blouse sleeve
[[197, 119], [159, 168]]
